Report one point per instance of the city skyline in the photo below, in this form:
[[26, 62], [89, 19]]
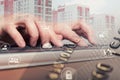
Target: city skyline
[[110, 7], [97, 7]]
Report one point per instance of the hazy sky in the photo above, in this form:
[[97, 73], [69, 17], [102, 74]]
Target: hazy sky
[[96, 6]]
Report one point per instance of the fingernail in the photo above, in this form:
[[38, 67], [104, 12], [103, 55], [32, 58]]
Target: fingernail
[[47, 45]]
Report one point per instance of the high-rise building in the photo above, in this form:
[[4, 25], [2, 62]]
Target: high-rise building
[[39, 8], [72, 12]]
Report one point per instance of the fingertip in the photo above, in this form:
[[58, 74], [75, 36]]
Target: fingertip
[[21, 44], [33, 44], [82, 43], [92, 41], [58, 43]]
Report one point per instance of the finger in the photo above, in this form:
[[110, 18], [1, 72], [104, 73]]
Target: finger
[[43, 32], [86, 35], [90, 38], [71, 35], [48, 35], [55, 40], [32, 30], [15, 35], [59, 37], [45, 38], [86, 30], [44, 35]]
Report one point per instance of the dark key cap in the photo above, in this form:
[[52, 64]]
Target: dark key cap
[[115, 44]]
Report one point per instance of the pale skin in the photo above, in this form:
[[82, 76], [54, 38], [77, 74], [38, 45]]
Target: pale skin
[[48, 33]]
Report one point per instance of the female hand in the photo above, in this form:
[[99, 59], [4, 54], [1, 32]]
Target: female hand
[[33, 29], [75, 31]]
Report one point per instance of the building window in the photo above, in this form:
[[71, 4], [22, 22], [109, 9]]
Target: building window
[[39, 2], [48, 3], [48, 11]]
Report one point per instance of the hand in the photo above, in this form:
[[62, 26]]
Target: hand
[[48, 35], [46, 32], [33, 29], [74, 32], [12, 22]]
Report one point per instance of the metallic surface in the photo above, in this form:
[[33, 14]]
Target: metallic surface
[[37, 65]]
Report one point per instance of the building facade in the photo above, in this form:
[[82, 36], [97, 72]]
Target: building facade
[[103, 21], [8, 7], [103, 26], [72, 12], [39, 8]]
